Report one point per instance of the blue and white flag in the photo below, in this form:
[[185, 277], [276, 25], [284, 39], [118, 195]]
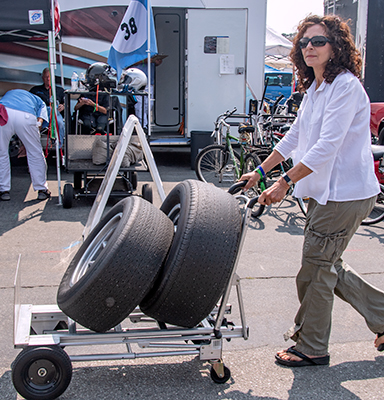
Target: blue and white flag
[[130, 44]]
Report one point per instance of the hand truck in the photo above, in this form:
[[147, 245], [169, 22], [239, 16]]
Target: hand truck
[[43, 369]]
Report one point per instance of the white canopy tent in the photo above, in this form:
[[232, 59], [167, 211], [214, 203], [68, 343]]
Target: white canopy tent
[[277, 49]]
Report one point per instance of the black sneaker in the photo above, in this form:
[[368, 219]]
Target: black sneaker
[[5, 196], [43, 194]]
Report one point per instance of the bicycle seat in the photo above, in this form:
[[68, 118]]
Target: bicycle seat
[[377, 151], [246, 128]]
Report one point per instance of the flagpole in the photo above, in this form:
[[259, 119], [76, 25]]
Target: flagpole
[[149, 113]]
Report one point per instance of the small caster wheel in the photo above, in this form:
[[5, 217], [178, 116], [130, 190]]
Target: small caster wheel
[[146, 192], [77, 180], [217, 379], [67, 195], [42, 373], [133, 179]]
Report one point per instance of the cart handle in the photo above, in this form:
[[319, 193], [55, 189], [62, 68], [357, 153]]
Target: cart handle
[[235, 188]]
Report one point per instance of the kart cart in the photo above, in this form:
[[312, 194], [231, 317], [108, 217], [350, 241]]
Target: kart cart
[[86, 175], [43, 369], [79, 157]]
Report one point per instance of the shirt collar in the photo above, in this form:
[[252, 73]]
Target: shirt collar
[[312, 89]]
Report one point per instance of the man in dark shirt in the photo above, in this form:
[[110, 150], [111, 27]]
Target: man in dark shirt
[[43, 91]]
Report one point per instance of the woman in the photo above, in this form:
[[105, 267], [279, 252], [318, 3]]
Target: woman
[[330, 145]]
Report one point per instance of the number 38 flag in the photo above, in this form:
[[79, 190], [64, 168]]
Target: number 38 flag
[[130, 43]]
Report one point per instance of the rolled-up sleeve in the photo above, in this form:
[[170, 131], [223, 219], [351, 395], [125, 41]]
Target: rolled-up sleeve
[[43, 112]]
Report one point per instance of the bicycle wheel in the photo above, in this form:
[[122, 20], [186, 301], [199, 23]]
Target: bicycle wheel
[[377, 214], [251, 162], [215, 165], [303, 204]]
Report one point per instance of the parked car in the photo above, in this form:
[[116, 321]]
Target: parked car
[[279, 83], [377, 122]]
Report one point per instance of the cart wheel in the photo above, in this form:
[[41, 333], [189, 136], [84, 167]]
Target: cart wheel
[[41, 373], [116, 266], [146, 192], [77, 180], [67, 195], [200, 261], [217, 379], [133, 179]]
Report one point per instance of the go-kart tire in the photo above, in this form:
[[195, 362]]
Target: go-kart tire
[[68, 195], [77, 180], [116, 265], [146, 193], [202, 255]]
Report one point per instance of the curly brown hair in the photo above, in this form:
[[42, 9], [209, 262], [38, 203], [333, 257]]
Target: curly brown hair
[[345, 54]]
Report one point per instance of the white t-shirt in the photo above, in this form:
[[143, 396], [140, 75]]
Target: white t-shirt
[[331, 136]]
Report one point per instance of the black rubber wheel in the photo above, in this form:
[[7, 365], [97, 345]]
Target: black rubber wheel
[[68, 195], [217, 379], [381, 137], [207, 222], [214, 165], [14, 146], [77, 180], [146, 192], [133, 179], [250, 163], [377, 214], [41, 373], [116, 265]]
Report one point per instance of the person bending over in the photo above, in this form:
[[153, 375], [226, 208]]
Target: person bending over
[[22, 114]]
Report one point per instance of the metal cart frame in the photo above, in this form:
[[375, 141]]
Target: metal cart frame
[[78, 160], [38, 327]]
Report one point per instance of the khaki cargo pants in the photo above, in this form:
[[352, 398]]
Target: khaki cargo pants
[[328, 230]]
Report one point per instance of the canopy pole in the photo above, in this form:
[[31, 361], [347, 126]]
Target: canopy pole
[[52, 67], [149, 116]]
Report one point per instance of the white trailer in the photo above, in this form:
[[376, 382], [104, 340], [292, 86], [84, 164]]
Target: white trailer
[[215, 59], [366, 21]]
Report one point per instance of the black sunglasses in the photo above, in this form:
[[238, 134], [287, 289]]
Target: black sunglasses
[[317, 41]]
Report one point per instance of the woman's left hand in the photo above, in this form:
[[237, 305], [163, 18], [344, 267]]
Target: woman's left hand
[[274, 194]]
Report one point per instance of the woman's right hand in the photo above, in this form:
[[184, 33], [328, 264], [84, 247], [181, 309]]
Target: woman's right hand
[[252, 178]]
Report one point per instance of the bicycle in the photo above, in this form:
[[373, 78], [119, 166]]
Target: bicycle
[[271, 137], [222, 166], [377, 214]]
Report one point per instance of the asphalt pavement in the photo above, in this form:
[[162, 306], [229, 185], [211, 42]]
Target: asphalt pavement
[[45, 236]]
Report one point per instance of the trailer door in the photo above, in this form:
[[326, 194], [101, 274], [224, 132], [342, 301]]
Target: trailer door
[[216, 60]]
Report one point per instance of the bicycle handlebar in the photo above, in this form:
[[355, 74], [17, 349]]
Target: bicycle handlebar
[[221, 120], [225, 115], [275, 104], [235, 188]]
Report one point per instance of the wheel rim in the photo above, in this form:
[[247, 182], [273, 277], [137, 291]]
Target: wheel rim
[[216, 169], [174, 215], [303, 203], [95, 248], [42, 375], [377, 214]]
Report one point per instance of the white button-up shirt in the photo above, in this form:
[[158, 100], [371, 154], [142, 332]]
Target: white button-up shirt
[[331, 136]]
